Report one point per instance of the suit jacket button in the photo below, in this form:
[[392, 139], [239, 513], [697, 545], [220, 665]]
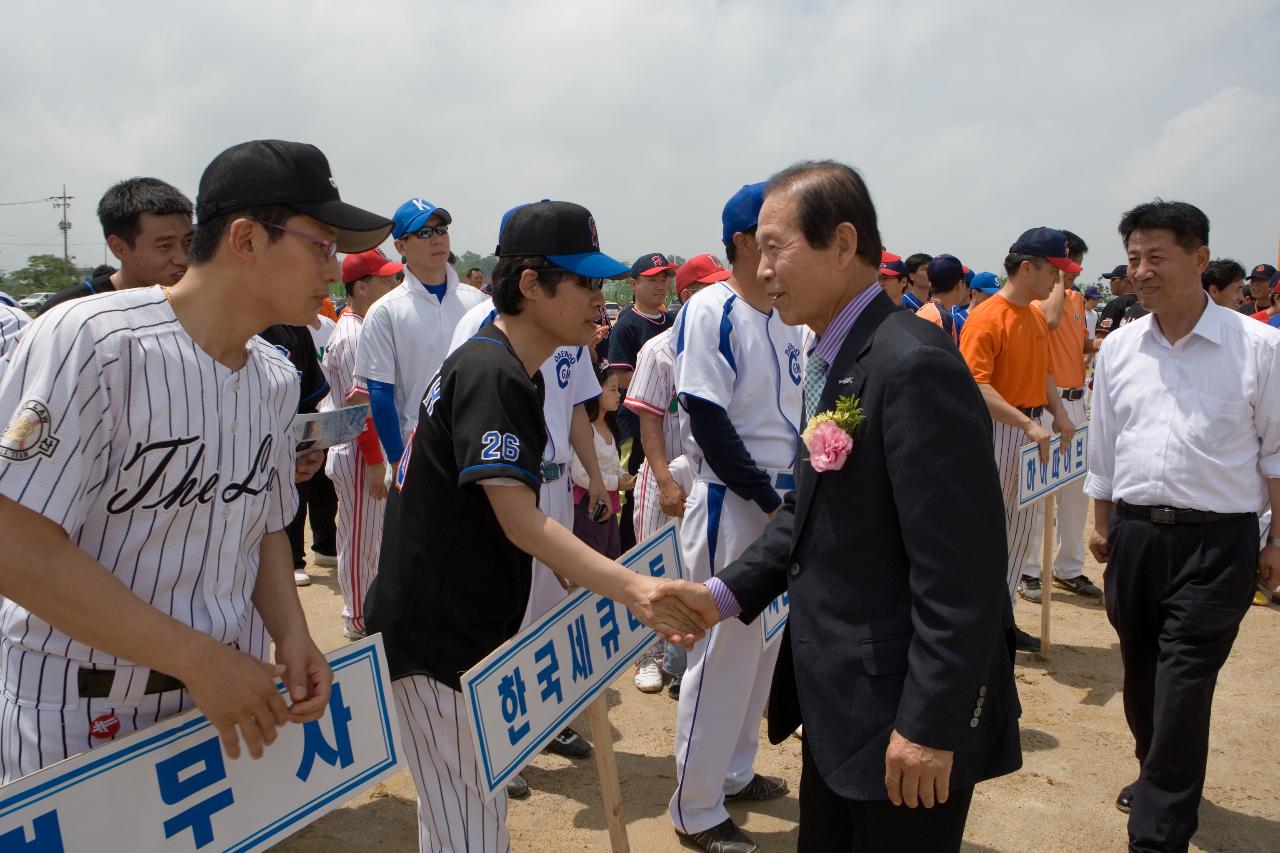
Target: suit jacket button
[[980, 701], [795, 569], [982, 691], [973, 724]]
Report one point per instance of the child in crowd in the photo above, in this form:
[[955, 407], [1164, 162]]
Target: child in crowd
[[598, 525]]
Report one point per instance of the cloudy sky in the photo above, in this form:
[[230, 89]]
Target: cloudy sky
[[970, 121]]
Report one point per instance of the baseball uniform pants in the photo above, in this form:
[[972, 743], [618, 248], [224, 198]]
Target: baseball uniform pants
[[556, 500], [359, 533], [1019, 524], [727, 683], [1071, 507], [453, 814]]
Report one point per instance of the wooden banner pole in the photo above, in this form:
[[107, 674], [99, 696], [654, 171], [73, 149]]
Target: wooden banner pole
[[1046, 573], [607, 769]]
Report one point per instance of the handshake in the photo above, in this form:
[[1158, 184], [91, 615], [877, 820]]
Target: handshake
[[680, 612]]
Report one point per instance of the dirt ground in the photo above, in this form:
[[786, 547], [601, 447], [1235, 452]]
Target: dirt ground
[[1076, 748]]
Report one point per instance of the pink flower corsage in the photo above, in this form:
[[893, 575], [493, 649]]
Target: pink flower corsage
[[829, 435]]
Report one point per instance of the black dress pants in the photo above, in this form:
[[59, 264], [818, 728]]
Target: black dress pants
[[1176, 595], [317, 499], [829, 823]]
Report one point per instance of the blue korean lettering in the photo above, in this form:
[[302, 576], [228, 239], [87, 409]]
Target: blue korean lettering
[[786, 599], [657, 567], [46, 838], [608, 627], [175, 788], [775, 606], [579, 649], [548, 676], [1057, 454], [314, 744], [632, 622], [511, 689], [1031, 473]]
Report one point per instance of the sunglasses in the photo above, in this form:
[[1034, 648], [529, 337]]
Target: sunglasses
[[329, 247], [428, 231]]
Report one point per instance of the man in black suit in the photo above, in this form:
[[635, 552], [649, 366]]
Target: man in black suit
[[898, 657]]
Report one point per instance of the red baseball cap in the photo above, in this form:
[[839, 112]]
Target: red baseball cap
[[887, 257], [372, 262], [700, 269]]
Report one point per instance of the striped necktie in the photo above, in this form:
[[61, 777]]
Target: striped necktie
[[815, 379]]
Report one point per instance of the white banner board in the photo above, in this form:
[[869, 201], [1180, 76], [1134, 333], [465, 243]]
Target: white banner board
[[524, 693], [170, 787], [1037, 479], [774, 618]]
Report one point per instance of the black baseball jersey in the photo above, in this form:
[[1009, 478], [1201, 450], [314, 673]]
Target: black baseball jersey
[[296, 344], [1119, 312], [451, 588], [632, 331], [88, 287]]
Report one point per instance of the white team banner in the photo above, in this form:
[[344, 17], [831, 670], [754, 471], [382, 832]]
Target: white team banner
[[318, 430], [524, 693], [170, 787], [774, 618], [1038, 479]]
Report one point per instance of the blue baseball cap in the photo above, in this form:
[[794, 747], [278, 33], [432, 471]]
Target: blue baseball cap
[[945, 272], [413, 214], [1092, 292], [1047, 243], [562, 232], [742, 212], [652, 263], [986, 282]]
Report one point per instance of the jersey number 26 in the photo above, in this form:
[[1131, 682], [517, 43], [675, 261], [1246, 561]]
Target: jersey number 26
[[500, 445]]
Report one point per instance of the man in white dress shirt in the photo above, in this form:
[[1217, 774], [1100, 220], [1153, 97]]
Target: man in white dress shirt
[[1184, 453]]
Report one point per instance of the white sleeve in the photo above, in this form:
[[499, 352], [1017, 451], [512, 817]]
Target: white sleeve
[[706, 364], [583, 384], [1102, 434], [579, 472], [650, 386], [284, 505], [471, 322], [376, 354], [54, 452]]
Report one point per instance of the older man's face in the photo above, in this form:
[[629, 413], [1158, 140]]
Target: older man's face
[[802, 282]]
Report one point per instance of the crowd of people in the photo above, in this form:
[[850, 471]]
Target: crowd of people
[[788, 413]]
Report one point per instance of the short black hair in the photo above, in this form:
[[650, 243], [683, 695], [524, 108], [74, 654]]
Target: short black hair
[[475, 269], [731, 251], [914, 262], [208, 234], [1013, 260], [1187, 223], [1221, 273], [1077, 248], [102, 270], [827, 194], [507, 298], [120, 209]]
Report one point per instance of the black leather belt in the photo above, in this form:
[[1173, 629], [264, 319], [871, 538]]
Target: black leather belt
[[96, 683], [1175, 515], [1032, 413], [1072, 393]]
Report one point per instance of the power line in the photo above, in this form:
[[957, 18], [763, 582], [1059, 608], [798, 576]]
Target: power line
[[36, 201]]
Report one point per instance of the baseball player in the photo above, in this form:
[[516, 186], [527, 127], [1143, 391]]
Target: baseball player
[[1005, 344], [357, 468], [463, 522], [12, 322], [738, 380], [662, 483], [917, 281], [406, 333], [146, 479], [946, 291]]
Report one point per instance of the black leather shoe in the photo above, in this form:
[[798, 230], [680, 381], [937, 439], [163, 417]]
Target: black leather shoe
[[570, 744], [759, 788], [1024, 642], [722, 838], [1124, 802]]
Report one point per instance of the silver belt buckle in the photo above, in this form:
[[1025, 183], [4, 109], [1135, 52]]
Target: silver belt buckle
[[1164, 515]]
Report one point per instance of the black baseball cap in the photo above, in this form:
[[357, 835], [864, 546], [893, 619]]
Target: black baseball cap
[[652, 264], [1263, 271], [1047, 243], [1121, 271], [293, 174], [945, 272], [560, 231]]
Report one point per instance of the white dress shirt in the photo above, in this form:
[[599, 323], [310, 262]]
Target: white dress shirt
[[1195, 424]]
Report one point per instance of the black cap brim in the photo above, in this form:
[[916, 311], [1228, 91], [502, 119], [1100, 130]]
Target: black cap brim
[[358, 230]]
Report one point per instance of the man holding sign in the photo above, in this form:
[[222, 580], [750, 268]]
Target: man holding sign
[[1006, 344], [444, 600], [146, 478]]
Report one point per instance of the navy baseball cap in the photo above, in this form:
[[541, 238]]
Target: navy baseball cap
[[986, 282], [893, 268], [413, 214], [652, 264], [1047, 243], [968, 276], [1121, 271], [742, 212], [1262, 271], [945, 272], [1092, 292], [562, 232]]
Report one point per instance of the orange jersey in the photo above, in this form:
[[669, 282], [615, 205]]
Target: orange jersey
[[931, 312], [1066, 343], [327, 309], [1007, 347]]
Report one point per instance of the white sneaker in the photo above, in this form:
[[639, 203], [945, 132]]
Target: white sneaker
[[301, 578], [648, 676], [352, 634], [324, 561]]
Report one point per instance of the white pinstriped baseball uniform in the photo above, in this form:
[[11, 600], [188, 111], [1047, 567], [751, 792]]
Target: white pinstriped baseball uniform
[[12, 323], [653, 391], [159, 462], [749, 364], [359, 534], [569, 379]]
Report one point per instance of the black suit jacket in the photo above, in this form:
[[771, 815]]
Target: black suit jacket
[[900, 613]]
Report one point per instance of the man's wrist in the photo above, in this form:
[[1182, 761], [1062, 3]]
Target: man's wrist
[[1273, 540]]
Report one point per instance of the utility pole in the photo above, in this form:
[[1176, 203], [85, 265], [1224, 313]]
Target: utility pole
[[64, 202]]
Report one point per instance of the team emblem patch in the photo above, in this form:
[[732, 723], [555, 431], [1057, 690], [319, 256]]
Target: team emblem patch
[[564, 367], [105, 727], [793, 362], [30, 433], [595, 237]]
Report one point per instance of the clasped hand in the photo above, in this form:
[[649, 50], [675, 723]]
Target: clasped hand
[[679, 611]]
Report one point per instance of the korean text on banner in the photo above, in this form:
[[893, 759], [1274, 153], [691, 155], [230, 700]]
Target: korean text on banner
[[1038, 479]]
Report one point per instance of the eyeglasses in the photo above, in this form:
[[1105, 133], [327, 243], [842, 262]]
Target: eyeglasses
[[589, 283], [330, 247], [427, 231]]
